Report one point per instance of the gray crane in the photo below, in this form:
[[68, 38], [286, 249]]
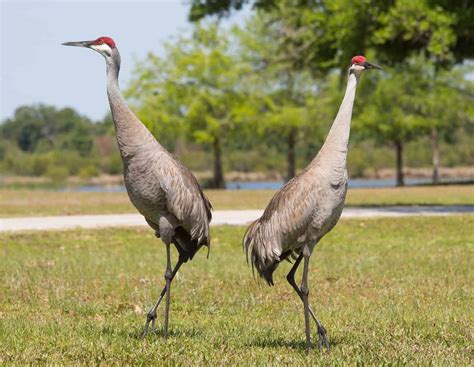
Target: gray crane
[[164, 191], [307, 207]]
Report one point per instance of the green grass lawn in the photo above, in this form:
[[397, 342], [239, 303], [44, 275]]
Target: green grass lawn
[[387, 290], [40, 202]]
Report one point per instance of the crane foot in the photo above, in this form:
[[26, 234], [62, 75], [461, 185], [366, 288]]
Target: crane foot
[[323, 341], [150, 317]]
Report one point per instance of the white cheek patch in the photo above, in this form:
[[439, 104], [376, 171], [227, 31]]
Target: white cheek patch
[[356, 68], [103, 48]]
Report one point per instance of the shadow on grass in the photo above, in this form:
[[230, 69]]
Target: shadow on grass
[[136, 333], [268, 342]]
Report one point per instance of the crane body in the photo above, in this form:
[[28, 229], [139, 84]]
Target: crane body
[[163, 190], [307, 207]]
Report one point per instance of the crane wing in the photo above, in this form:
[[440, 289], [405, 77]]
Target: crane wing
[[290, 210], [284, 222], [187, 202]]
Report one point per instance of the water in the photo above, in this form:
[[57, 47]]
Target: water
[[259, 185], [358, 183], [95, 188]]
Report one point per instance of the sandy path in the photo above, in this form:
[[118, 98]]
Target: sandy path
[[220, 217]]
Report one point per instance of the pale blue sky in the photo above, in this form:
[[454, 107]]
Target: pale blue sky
[[35, 68]]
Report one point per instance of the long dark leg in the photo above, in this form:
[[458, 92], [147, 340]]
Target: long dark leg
[[305, 293], [151, 316], [291, 279], [168, 277]]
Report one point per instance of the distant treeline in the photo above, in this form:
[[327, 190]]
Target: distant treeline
[[44, 141]]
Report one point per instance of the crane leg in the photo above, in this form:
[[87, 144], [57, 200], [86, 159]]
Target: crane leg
[[168, 277], [323, 340], [305, 293], [151, 316]]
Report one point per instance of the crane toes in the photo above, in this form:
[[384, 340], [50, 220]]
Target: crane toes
[[323, 341], [150, 317]]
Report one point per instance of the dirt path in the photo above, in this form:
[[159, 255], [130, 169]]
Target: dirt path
[[220, 217]]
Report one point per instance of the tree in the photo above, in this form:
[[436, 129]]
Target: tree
[[315, 35], [390, 116], [203, 8], [325, 34], [408, 102], [280, 93], [436, 29], [45, 140], [195, 85], [447, 106], [333, 30], [44, 128]]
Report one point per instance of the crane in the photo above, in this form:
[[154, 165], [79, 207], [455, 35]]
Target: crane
[[163, 190], [306, 208]]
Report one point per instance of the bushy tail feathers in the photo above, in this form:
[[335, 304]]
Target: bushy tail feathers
[[264, 268]]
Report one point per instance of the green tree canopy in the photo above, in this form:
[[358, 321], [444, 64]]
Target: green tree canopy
[[408, 102], [195, 86], [339, 28], [279, 94], [44, 128], [323, 35]]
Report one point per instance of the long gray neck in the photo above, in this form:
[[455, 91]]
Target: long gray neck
[[334, 149], [131, 133], [113, 69]]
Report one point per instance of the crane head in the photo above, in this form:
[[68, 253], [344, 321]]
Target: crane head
[[103, 45], [360, 63]]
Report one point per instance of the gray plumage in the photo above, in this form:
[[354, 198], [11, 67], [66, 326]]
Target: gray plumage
[[164, 191], [307, 207]]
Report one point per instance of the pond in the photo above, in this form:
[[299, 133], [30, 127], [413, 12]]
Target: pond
[[265, 185]]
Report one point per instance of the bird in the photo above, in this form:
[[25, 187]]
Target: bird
[[306, 208], [162, 189]]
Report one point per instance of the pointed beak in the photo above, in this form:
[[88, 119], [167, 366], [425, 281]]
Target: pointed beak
[[368, 65], [78, 44]]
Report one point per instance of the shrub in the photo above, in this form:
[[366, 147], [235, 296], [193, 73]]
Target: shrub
[[88, 171], [112, 164], [57, 173]]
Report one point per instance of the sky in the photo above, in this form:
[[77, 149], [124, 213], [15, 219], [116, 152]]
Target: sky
[[35, 68]]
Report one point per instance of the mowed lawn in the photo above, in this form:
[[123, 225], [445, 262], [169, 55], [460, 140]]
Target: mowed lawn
[[387, 290], [15, 203]]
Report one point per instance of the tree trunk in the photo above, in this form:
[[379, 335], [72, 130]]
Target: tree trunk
[[291, 159], [399, 154], [435, 155], [218, 180]]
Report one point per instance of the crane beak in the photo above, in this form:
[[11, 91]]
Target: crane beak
[[368, 65], [78, 44]]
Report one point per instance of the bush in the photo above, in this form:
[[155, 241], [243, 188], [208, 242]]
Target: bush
[[112, 164], [3, 149], [88, 172], [40, 163], [57, 173], [17, 162]]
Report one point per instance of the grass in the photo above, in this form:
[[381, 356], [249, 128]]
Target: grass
[[389, 291], [36, 202]]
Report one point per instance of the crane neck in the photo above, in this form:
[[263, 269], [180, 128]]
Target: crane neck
[[131, 134], [113, 69], [335, 147]]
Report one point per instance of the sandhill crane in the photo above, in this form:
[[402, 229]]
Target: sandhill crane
[[164, 191], [307, 207]]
